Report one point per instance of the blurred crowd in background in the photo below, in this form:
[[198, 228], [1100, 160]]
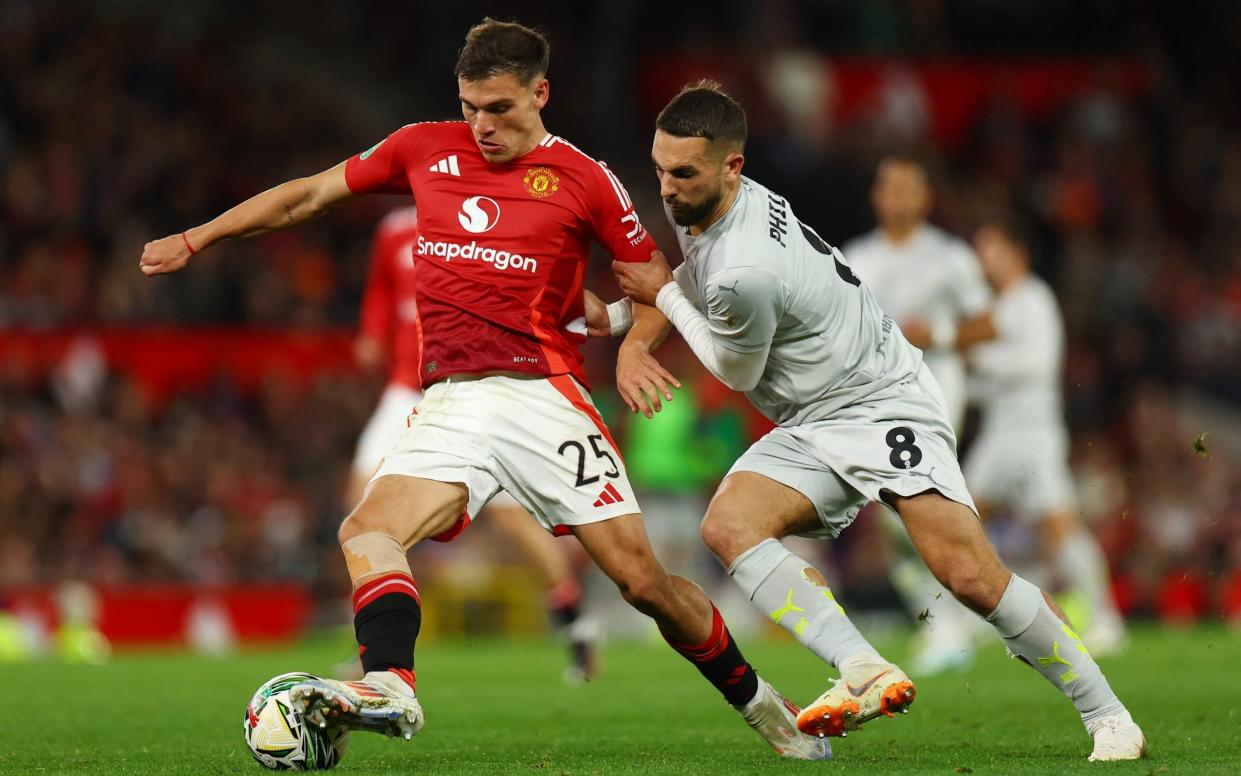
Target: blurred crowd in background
[[123, 122]]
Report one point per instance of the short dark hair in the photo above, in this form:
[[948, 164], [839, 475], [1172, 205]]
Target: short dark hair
[[704, 109], [907, 160], [495, 48], [1017, 232], [1011, 226]]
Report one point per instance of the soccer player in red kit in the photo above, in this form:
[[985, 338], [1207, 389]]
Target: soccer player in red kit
[[388, 337], [507, 213]]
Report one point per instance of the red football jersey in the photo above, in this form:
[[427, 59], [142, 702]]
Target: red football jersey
[[501, 248], [389, 308]]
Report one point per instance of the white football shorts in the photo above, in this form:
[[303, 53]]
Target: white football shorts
[[386, 425], [1023, 469], [898, 440], [538, 438]]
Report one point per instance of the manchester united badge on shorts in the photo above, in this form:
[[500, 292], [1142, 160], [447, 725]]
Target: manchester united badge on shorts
[[541, 182]]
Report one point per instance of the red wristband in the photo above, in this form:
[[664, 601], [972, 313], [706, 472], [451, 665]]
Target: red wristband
[[187, 244]]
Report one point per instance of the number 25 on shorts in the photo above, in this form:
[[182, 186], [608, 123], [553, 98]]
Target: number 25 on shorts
[[573, 448]]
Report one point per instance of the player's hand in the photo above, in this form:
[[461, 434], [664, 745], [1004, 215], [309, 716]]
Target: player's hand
[[917, 331], [641, 281], [597, 323], [641, 380], [165, 255]]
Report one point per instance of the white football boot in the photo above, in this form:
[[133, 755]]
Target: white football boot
[[774, 718], [868, 687], [381, 703], [1117, 737]]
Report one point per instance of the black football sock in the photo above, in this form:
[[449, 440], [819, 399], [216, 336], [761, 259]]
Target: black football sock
[[721, 662], [387, 614]]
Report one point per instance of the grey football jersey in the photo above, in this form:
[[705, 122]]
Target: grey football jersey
[[1019, 373], [758, 269]]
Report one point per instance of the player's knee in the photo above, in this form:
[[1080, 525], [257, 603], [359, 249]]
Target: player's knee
[[347, 530], [359, 521], [724, 534], [977, 584]]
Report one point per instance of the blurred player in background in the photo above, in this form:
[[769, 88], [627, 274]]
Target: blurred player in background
[[929, 282], [507, 214], [772, 310], [388, 337], [1019, 461]]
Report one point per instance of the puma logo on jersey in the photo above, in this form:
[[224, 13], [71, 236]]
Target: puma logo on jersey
[[732, 290], [447, 165]]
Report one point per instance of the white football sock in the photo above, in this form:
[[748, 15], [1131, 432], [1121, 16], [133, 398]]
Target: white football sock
[[1034, 634], [795, 596]]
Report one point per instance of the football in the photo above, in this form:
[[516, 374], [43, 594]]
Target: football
[[280, 739]]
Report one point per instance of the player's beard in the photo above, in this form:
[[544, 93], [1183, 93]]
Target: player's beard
[[688, 215]]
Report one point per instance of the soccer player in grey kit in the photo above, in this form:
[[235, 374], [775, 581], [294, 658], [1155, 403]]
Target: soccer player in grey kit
[[774, 311]]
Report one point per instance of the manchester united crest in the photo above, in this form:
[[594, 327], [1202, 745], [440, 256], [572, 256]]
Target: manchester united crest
[[541, 182]]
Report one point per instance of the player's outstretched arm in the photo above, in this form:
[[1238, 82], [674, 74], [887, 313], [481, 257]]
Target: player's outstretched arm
[[640, 379], [288, 204], [732, 341]]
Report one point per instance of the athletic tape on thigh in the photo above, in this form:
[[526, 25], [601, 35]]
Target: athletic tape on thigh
[[374, 553]]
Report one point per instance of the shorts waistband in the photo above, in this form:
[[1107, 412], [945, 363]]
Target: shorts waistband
[[464, 377]]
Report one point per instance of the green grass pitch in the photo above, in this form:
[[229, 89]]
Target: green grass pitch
[[499, 707]]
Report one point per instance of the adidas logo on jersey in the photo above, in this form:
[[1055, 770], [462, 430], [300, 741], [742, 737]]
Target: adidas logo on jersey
[[609, 495], [447, 165]]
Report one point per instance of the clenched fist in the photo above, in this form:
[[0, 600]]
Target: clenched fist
[[165, 255]]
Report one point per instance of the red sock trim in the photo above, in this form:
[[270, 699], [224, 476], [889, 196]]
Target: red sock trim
[[395, 582], [565, 594], [710, 649], [406, 675]]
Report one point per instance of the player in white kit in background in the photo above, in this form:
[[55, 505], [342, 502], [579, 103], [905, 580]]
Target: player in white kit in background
[[930, 282], [1019, 461], [772, 310], [926, 279]]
